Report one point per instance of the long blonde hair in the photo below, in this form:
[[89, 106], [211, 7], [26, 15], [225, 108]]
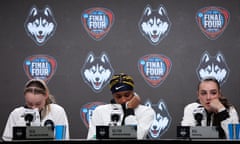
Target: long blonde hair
[[42, 88]]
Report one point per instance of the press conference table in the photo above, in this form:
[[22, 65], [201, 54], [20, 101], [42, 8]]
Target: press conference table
[[131, 141]]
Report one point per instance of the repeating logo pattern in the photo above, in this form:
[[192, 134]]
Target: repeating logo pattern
[[162, 119], [154, 68], [97, 71], [97, 22], [214, 66], [154, 24], [86, 111], [212, 21], [40, 25], [40, 66]]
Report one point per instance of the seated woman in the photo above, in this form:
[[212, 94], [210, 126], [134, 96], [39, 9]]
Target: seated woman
[[216, 110], [127, 102], [37, 96]]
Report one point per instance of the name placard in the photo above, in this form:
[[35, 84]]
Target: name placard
[[32, 132], [197, 132], [116, 132]]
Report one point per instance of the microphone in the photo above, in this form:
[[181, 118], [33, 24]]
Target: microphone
[[49, 123], [28, 118], [198, 115], [116, 115]]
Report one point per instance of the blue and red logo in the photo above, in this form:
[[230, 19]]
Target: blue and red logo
[[97, 22], [154, 68], [86, 111], [212, 21], [40, 66]]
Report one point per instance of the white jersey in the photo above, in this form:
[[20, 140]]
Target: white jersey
[[102, 116], [16, 118], [189, 120]]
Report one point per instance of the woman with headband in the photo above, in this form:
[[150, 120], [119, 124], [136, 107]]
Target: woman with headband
[[37, 97], [127, 104]]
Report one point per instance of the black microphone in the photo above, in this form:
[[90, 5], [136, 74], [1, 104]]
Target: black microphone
[[49, 123], [115, 116], [28, 118], [198, 115]]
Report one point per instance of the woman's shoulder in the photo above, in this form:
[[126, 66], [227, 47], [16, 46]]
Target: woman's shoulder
[[142, 108], [18, 109], [193, 105], [103, 106], [56, 107]]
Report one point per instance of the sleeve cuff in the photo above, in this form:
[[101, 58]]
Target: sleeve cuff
[[129, 111], [222, 109], [222, 115]]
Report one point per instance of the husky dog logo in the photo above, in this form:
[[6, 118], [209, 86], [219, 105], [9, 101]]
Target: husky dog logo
[[97, 71], [97, 22], [213, 66], [40, 25], [154, 24], [40, 66], [154, 68], [86, 111], [162, 119], [212, 21]]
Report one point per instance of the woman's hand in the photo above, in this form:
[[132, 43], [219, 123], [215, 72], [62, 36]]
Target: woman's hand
[[134, 102], [216, 105]]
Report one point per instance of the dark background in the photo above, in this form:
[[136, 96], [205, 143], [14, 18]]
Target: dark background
[[124, 44]]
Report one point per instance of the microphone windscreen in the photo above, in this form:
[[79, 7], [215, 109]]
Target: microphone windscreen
[[28, 117], [49, 123]]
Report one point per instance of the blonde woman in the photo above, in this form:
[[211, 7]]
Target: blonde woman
[[37, 96]]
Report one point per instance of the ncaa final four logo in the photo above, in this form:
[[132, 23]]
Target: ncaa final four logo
[[212, 21], [154, 68], [40, 66], [97, 22], [87, 110]]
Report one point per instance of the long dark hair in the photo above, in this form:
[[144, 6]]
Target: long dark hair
[[222, 99]]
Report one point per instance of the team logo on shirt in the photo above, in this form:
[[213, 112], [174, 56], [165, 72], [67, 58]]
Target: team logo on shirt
[[212, 21], [40, 66], [154, 24], [214, 66], [86, 111], [162, 119], [97, 22], [40, 25], [154, 68], [97, 71]]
